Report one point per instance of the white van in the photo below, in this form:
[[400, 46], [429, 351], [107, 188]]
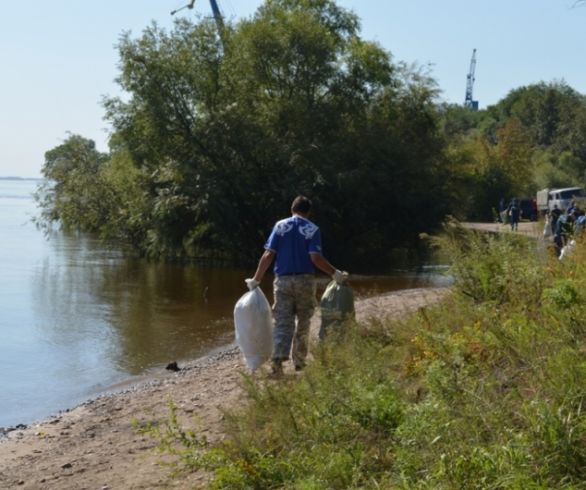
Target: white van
[[547, 199]]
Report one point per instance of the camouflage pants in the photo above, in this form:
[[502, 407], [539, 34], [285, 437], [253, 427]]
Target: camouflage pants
[[294, 297]]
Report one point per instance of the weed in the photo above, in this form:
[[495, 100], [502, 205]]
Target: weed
[[484, 391]]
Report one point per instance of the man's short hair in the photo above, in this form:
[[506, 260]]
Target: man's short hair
[[301, 205]]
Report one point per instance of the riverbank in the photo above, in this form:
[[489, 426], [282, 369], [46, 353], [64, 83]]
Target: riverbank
[[96, 445]]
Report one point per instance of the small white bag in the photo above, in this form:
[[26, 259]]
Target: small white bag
[[568, 249], [253, 323], [547, 227]]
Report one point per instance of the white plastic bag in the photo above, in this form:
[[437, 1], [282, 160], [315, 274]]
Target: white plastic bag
[[547, 227], [568, 249], [253, 323]]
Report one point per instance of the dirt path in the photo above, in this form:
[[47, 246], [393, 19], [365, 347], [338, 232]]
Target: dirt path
[[529, 228], [95, 446]]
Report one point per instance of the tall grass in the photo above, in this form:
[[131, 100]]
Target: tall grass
[[485, 391]]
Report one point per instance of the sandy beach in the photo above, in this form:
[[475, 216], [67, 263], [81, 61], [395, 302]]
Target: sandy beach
[[96, 445]]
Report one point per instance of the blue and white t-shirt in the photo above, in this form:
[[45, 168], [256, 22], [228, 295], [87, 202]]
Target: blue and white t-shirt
[[293, 239]]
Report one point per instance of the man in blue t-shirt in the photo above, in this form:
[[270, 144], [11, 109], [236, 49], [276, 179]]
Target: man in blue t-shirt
[[295, 246]]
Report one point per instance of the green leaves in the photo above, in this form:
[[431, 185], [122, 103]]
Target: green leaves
[[217, 139]]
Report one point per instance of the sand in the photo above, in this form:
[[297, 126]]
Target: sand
[[97, 446]]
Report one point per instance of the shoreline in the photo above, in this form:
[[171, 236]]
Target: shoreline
[[130, 383], [96, 445], [154, 375]]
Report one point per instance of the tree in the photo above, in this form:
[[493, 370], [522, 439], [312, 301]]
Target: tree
[[216, 139], [531, 139], [72, 191]]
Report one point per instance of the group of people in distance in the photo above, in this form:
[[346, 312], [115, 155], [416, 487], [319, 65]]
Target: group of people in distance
[[564, 226], [561, 226], [511, 213]]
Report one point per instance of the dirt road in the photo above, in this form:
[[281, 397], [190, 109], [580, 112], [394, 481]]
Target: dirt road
[[529, 228]]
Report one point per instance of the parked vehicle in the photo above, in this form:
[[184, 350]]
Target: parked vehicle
[[528, 209], [547, 198]]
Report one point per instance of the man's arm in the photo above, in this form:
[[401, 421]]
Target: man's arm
[[322, 263], [264, 263]]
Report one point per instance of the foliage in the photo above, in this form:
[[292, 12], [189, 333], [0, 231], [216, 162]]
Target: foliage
[[212, 140], [508, 266], [486, 390], [68, 167], [532, 139], [216, 139]]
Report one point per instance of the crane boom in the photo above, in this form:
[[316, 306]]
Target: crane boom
[[215, 10], [469, 100], [217, 16]]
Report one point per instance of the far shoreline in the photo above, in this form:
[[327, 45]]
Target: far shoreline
[[20, 178]]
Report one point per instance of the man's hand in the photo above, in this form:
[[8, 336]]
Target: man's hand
[[251, 283], [340, 276]]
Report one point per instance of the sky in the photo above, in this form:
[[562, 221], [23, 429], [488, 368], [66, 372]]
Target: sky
[[58, 58]]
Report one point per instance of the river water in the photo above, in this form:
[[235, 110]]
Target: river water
[[78, 317]]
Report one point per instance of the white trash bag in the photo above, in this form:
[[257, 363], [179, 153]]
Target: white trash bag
[[568, 249], [253, 323], [547, 227]]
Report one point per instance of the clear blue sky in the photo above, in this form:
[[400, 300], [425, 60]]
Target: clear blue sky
[[58, 57]]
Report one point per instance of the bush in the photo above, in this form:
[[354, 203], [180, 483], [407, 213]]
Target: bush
[[485, 391]]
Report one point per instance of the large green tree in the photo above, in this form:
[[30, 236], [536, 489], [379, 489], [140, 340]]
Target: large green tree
[[215, 139]]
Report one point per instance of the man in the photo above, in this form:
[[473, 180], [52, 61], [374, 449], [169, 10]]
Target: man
[[564, 229], [554, 216], [514, 214], [295, 245]]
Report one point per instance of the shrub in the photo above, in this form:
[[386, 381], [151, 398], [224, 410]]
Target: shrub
[[485, 391]]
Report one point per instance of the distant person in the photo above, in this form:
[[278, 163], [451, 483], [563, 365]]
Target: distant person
[[579, 221], [502, 209], [555, 214], [571, 207], [564, 230], [514, 213], [295, 245]]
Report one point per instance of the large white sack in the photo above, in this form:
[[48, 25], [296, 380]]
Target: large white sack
[[254, 327]]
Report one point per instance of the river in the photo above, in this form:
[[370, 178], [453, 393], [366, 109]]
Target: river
[[77, 317]]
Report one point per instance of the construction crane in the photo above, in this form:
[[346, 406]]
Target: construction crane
[[215, 10], [469, 100]]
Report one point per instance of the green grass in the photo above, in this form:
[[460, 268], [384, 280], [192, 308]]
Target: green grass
[[485, 391]]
